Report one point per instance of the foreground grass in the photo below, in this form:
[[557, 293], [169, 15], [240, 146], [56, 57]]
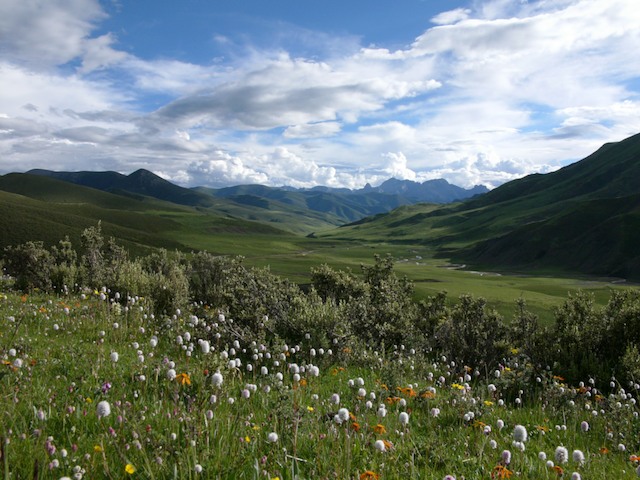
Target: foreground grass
[[276, 413]]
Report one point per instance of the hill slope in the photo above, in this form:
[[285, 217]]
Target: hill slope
[[582, 218], [299, 211], [34, 207]]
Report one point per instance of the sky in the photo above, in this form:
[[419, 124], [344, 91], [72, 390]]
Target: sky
[[304, 93]]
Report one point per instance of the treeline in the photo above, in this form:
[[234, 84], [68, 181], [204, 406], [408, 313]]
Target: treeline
[[374, 309]]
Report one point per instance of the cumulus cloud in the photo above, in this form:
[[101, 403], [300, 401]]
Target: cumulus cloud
[[47, 33], [483, 95]]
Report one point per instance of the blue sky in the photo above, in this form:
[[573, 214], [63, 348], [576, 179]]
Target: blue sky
[[332, 93]]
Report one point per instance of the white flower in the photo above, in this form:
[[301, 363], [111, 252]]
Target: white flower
[[343, 415], [335, 399], [216, 379], [578, 457], [272, 437], [520, 433], [576, 476], [404, 418], [205, 346], [561, 455], [380, 446], [114, 356], [171, 374], [103, 409], [198, 468]]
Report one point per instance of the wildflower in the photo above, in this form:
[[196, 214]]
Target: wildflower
[[558, 470], [103, 409], [183, 379], [584, 426], [404, 418], [380, 429], [198, 468], [500, 471], [561, 455], [343, 415], [520, 433], [130, 469], [449, 477], [380, 446], [578, 457], [506, 457], [355, 426], [369, 475], [272, 437], [335, 399], [576, 476], [493, 444], [216, 379], [542, 456]]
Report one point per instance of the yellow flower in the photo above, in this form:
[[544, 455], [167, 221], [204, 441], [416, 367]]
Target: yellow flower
[[130, 469], [369, 475], [247, 439], [457, 386], [97, 448], [309, 409], [380, 429], [488, 403]]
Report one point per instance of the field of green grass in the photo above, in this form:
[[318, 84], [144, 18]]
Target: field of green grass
[[92, 388]]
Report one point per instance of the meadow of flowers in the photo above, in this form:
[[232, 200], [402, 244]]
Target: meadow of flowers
[[95, 384]]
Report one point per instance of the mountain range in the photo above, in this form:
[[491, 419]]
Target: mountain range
[[583, 218]]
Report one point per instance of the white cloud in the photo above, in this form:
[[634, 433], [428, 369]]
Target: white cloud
[[47, 33], [397, 166], [491, 92], [312, 130], [451, 16]]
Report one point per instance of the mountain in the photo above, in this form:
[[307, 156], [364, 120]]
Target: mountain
[[141, 182], [300, 211], [582, 218], [431, 191], [36, 207]]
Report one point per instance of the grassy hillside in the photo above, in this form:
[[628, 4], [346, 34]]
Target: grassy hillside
[[40, 208], [582, 219]]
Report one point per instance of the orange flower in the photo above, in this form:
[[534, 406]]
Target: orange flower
[[387, 444], [355, 426], [380, 429], [500, 471], [429, 395], [369, 475], [558, 470], [632, 458], [604, 450], [183, 379]]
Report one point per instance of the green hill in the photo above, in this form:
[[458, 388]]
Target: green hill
[[34, 207], [583, 218]]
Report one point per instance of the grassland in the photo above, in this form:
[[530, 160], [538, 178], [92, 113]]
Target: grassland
[[92, 388]]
